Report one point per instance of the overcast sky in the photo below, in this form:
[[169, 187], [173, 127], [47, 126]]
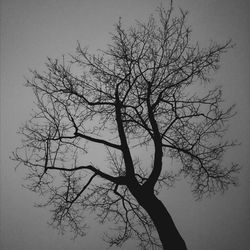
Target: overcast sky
[[31, 30]]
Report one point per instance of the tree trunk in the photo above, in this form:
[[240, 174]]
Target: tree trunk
[[168, 233]]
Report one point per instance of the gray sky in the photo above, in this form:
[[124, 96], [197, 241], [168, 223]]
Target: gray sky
[[31, 30]]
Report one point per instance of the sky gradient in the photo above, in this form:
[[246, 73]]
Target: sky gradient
[[31, 30]]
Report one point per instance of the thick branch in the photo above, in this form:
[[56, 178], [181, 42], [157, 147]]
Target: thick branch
[[124, 144], [90, 138], [118, 180], [157, 167]]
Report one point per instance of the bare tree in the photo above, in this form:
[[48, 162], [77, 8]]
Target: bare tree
[[141, 93]]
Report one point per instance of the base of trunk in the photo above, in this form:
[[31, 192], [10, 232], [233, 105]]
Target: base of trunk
[[168, 233]]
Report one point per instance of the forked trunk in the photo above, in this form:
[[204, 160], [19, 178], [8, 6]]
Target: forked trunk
[[168, 233]]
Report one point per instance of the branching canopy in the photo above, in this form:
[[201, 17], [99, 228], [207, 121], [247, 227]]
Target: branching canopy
[[144, 90]]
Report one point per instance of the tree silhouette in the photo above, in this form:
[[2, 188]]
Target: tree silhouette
[[141, 94]]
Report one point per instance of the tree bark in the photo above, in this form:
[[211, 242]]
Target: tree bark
[[168, 233]]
